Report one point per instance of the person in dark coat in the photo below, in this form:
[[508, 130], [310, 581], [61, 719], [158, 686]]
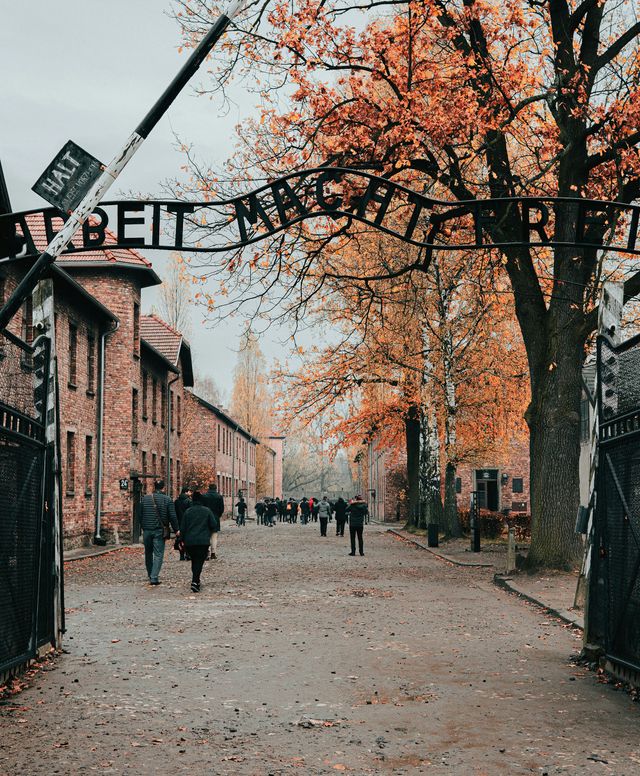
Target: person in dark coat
[[340, 509], [305, 510], [198, 523], [315, 508], [215, 502], [272, 511], [181, 504], [261, 508], [357, 512], [241, 506], [157, 511]]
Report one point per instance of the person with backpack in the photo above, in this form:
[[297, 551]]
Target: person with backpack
[[215, 502], [198, 525], [324, 513], [357, 511], [305, 511], [158, 517], [341, 516]]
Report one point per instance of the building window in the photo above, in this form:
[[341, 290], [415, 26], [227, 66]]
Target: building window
[[73, 354], [458, 484], [218, 437], [88, 465], [70, 484], [134, 415], [27, 320], [163, 404], [91, 363], [178, 475], [171, 480], [144, 462], [172, 421], [136, 330], [145, 396], [154, 401], [178, 415], [154, 464], [219, 485], [163, 468], [517, 485]]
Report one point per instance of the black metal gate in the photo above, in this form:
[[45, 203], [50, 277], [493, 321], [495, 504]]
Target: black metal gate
[[27, 573], [614, 596]]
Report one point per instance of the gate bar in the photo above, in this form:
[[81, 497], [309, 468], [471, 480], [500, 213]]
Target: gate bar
[[118, 163]]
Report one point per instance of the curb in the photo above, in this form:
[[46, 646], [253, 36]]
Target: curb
[[505, 583], [97, 553], [447, 558]]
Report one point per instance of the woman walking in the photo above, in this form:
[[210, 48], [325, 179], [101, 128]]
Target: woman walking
[[198, 523]]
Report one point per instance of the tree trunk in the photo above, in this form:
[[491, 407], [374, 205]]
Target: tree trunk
[[412, 441], [554, 426], [451, 520]]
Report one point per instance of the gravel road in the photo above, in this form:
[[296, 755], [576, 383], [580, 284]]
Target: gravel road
[[298, 659]]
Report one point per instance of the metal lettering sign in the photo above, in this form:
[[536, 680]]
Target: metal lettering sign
[[124, 484], [68, 178], [335, 194]]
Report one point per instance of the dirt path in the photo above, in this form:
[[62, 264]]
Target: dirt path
[[296, 658]]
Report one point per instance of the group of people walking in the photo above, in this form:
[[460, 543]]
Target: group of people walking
[[195, 518], [321, 511]]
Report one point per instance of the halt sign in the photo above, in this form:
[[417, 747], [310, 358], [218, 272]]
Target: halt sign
[[68, 178]]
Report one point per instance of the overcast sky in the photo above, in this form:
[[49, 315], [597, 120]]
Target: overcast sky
[[88, 70]]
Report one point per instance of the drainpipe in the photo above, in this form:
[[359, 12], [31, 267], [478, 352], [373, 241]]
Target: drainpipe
[[97, 538], [168, 472]]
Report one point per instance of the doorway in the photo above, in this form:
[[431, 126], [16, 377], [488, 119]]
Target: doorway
[[487, 488]]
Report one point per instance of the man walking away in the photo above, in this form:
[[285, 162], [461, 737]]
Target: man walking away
[[357, 511], [272, 511], [215, 502], [261, 508], [341, 515], [241, 506], [315, 506], [181, 504], [198, 524], [304, 510], [158, 512], [324, 513]]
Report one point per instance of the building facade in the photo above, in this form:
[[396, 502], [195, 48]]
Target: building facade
[[125, 416]]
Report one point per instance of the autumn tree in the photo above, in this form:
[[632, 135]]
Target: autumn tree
[[251, 404], [176, 298], [466, 99]]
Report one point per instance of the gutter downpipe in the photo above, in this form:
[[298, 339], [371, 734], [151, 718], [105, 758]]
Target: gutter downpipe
[[169, 419], [97, 538]]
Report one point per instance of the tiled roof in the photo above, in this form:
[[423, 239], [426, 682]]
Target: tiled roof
[[162, 337], [120, 256]]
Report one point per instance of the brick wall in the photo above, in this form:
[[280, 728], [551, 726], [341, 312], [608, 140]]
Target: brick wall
[[76, 336], [120, 293]]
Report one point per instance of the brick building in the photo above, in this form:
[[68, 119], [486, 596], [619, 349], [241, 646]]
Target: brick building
[[125, 417], [217, 449], [501, 486]]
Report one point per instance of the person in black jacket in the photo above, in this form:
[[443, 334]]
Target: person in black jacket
[[198, 523], [272, 511], [241, 506], [182, 503], [358, 511], [340, 509], [215, 502]]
